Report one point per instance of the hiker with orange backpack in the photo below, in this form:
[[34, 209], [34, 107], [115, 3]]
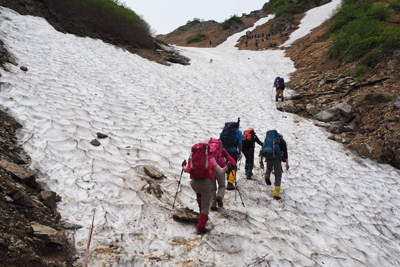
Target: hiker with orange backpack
[[200, 166], [221, 156], [248, 144], [231, 138], [279, 83]]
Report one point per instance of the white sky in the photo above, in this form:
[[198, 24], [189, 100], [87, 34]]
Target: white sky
[[337, 209], [165, 16]]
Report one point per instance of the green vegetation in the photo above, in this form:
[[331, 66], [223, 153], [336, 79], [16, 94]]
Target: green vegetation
[[288, 8], [230, 22], [189, 24], [104, 17], [395, 6], [362, 30], [198, 38]]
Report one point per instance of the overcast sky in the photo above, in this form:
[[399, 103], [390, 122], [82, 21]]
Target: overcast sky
[[165, 16]]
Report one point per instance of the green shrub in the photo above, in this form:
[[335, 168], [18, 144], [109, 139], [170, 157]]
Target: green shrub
[[359, 79], [107, 17], [359, 29], [198, 38], [229, 22], [395, 6]]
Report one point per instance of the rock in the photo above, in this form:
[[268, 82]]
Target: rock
[[186, 215], [48, 198], [71, 226], [311, 109], [300, 106], [397, 104], [48, 234], [176, 58], [287, 106], [101, 135], [327, 115], [339, 127], [24, 68], [153, 172], [295, 97], [95, 142], [346, 110], [19, 173]]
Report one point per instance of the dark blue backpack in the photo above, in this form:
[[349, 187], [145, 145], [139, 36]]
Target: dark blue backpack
[[276, 80], [270, 149], [228, 135]]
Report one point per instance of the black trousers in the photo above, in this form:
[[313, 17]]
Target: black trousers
[[249, 155]]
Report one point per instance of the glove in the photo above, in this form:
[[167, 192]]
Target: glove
[[184, 163]]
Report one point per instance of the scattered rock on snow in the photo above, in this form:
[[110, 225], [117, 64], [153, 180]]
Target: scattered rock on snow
[[95, 142], [287, 106], [24, 68], [101, 135], [186, 215], [71, 226], [153, 172]]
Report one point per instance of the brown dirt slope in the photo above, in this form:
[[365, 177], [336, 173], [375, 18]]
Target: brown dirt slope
[[376, 120]]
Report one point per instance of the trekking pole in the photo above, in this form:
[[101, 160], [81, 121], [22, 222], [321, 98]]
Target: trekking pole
[[85, 262], [238, 190], [183, 164]]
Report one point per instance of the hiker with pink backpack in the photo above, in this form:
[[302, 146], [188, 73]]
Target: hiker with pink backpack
[[200, 166], [223, 158]]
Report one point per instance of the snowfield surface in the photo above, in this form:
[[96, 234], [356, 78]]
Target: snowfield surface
[[337, 209]]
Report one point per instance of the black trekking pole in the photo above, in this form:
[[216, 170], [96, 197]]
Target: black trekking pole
[[240, 195], [183, 164]]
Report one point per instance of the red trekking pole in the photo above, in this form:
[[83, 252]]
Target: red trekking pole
[[85, 262]]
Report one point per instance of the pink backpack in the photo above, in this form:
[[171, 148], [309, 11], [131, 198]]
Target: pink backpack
[[200, 167], [216, 150]]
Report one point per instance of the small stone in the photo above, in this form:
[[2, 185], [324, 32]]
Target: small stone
[[101, 135], [24, 68], [95, 142]]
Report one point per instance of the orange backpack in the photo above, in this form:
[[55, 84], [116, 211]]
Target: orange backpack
[[248, 137]]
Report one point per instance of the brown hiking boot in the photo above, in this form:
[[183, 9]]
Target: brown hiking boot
[[219, 202], [267, 180]]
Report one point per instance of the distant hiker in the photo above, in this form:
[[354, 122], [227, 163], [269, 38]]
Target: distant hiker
[[280, 86], [246, 44], [274, 151], [262, 34], [248, 145], [200, 166], [223, 158], [210, 42], [262, 39], [256, 43], [286, 34], [231, 138], [274, 44]]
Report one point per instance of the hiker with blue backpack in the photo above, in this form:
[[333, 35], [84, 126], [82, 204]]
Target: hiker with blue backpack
[[223, 158], [274, 151], [279, 84], [200, 166], [231, 138]]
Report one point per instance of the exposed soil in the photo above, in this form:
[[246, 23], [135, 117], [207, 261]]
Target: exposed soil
[[376, 121]]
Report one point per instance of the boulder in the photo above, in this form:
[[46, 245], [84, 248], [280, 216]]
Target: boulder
[[397, 104], [19, 173], [153, 172], [48, 198], [186, 215], [345, 110], [48, 234], [101, 135], [327, 115], [95, 142], [287, 106], [311, 109]]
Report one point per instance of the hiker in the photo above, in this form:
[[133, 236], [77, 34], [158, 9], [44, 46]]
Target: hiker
[[231, 138], [223, 158], [256, 43], [246, 44], [210, 42], [274, 44], [274, 151], [248, 144], [200, 166], [280, 86]]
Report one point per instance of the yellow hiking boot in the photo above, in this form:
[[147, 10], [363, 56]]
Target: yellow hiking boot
[[276, 192]]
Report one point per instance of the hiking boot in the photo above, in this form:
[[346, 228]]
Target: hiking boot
[[248, 177], [202, 231], [277, 198], [219, 202], [230, 187], [276, 192], [267, 180], [214, 208]]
